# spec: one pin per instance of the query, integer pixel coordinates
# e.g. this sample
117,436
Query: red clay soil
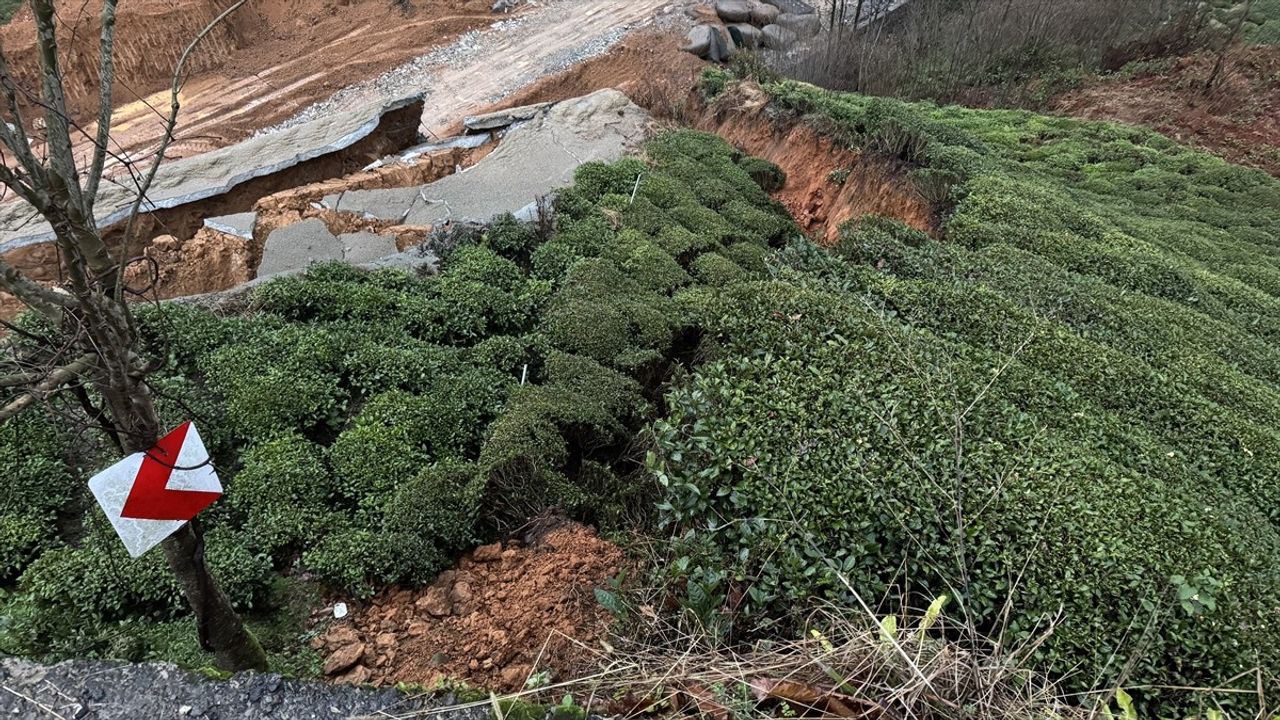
1239,121
815,199
657,75
647,66
268,61
503,613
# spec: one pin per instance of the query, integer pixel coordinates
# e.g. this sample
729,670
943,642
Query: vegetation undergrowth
1065,413
368,426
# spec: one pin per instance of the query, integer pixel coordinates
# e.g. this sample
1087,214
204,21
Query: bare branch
106,82
52,383
12,131
27,378
35,295
179,78
57,128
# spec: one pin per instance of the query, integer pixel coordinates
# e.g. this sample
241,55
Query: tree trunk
220,629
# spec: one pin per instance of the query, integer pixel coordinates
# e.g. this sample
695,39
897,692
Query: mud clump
504,612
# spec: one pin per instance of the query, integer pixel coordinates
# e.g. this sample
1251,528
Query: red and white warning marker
148,496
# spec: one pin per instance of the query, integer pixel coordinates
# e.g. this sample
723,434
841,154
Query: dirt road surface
283,62
483,67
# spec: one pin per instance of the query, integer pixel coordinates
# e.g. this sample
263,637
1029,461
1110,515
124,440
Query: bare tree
93,350
1220,61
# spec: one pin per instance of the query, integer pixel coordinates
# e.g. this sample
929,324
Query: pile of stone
752,24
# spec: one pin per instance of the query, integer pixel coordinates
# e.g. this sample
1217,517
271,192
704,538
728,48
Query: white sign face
148,496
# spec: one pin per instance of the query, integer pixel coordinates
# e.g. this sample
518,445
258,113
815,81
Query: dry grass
845,666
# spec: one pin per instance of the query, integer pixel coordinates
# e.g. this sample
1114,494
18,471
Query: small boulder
802,25
722,47
745,36
435,603
794,7
461,592
734,11
699,40
505,6
764,14
487,553
343,658
358,675
776,37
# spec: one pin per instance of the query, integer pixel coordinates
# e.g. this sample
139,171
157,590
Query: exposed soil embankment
1239,121
826,184
504,613
266,62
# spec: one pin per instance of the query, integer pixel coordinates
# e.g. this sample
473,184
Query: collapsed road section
351,187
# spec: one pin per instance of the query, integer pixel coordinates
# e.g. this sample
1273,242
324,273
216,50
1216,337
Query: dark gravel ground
96,690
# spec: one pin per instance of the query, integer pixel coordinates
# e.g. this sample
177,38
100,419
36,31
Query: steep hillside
1064,413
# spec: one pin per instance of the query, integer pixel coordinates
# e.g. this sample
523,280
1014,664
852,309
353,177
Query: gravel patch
102,690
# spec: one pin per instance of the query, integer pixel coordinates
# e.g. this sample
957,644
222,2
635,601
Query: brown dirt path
268,61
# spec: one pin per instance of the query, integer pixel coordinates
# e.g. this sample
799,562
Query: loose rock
722,48
487,553
699,40
764,14
794,7
343,658
776,37
436,603
745,36
733,10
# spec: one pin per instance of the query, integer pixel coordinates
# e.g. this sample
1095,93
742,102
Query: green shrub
713,81
284,493
440,504
605,315
358,561
716,269
1001,415
767,175
510,238
21,540
594,180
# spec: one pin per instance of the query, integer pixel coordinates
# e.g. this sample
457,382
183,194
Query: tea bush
360,420
1066,404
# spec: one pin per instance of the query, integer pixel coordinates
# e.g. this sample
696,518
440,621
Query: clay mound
504,613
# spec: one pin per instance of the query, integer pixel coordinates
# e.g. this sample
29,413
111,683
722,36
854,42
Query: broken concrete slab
361,247
503,118
461,142
386,204
214,173
532,160
296,246
240,224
